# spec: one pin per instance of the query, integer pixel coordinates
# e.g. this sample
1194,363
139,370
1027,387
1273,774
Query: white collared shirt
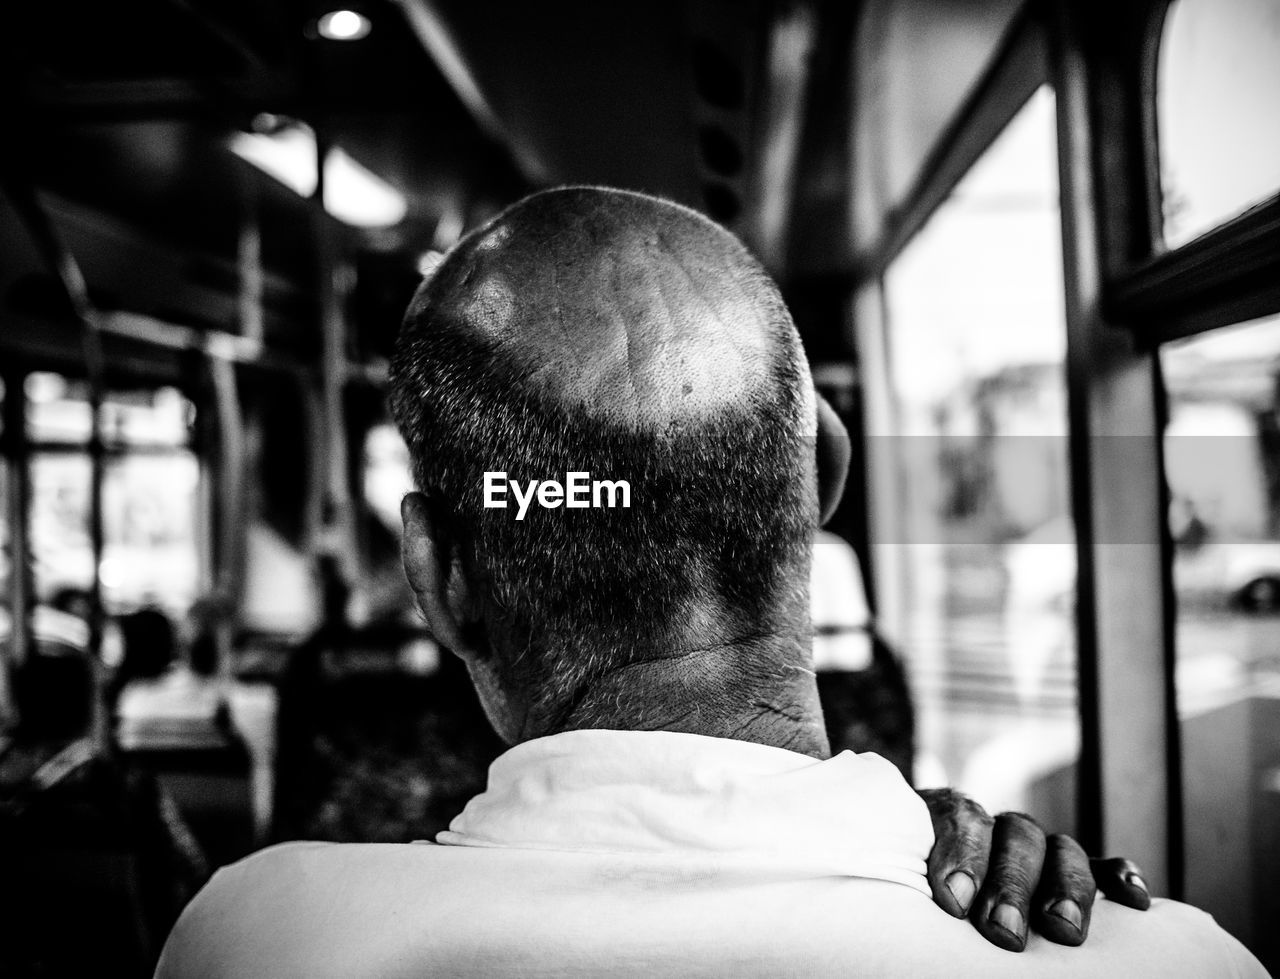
607,853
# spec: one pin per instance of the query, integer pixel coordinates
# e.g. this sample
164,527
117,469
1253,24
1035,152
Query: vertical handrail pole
13,443
332,274
1130,785
58,257
63,264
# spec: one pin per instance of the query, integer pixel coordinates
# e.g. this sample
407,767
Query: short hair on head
723,500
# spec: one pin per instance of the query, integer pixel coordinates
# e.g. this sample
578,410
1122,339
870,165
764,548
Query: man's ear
833,455
434,570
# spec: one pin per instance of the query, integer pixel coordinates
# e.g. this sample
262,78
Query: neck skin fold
759,689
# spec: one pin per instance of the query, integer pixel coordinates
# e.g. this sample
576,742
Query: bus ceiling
146,128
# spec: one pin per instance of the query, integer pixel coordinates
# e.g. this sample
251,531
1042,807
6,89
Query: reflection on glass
976,338
1222,463
1219,137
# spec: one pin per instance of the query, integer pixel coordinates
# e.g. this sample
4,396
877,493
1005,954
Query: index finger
961,851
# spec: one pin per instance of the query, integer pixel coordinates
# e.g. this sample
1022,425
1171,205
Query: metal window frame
1019,66
1130,774
13,451
1225,276
1228,275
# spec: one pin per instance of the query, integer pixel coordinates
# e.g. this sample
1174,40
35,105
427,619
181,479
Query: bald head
599,331
635,310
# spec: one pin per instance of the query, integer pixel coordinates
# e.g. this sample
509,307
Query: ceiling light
352,193
343,25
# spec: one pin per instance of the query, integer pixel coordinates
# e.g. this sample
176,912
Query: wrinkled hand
1002,872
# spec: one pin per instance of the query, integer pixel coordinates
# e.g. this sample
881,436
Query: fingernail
962,888
1009,918
1069,912
1139,883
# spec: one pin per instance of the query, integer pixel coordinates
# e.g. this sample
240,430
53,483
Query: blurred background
1031,248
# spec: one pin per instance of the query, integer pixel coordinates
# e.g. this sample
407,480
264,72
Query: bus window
1216,111
976,339
60,542
1222,463
905,104
149,495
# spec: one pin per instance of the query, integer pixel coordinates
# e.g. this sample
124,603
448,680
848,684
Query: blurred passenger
150,645
861,682
301,710
73,601
97,862
162,691
670,806
158,697
179,718
71,609
383,756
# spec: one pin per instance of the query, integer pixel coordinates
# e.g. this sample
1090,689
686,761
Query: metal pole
1130,787
60,260
249,266
13,448
332,275
231,526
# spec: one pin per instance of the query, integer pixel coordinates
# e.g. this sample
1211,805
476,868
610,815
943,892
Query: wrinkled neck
760,689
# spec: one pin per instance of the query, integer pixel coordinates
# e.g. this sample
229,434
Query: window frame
13,452
1127,293
1219,278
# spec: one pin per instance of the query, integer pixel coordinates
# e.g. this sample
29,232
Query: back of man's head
607,332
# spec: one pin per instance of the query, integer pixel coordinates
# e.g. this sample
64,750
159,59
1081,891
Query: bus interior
1032,248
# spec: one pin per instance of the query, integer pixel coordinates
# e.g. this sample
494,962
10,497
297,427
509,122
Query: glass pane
61,548
58,413
1216,96
976,337
914,66
150,512
141,419
1222,463
150,508
57,409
